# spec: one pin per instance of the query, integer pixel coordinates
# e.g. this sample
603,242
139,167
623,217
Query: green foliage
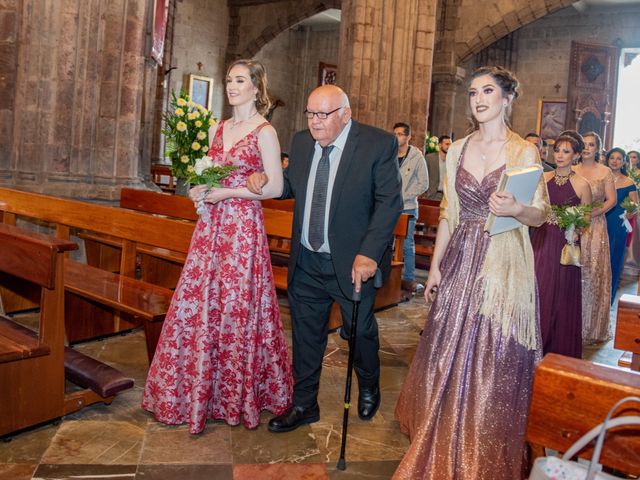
205,172
577,216
629,206
186,130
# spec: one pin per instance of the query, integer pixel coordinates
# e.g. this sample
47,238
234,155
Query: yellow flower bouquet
186,130
430,144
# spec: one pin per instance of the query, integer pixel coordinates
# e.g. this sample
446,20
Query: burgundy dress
465,399
222,353
559,286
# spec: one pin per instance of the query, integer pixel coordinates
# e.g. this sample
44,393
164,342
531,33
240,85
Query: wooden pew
425,234
33,364
162,176
570,397
627,336
105,302
278,221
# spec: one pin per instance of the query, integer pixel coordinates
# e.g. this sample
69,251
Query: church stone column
386,54
80,76
445,86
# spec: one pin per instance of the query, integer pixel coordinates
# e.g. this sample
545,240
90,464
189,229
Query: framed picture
551,118
327,74
201,90
160,12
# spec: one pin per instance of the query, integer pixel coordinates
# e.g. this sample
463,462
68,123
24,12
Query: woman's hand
196,194
504,204
433,282
216,195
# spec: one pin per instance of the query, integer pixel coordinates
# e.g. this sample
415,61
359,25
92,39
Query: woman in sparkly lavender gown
464,402
559,285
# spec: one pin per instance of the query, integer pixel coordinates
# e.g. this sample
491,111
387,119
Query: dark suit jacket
365,204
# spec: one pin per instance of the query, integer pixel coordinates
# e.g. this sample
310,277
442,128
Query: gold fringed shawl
509,293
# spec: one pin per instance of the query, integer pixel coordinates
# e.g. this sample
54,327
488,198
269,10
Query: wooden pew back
627,336
32,383
571,396
147,201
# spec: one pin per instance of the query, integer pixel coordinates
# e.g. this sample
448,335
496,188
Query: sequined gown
617,237
222,353
559,286
465,399
596,272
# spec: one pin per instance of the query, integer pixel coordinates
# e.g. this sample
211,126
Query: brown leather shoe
293,418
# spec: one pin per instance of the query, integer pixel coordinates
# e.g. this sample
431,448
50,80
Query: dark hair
259,79
283,155
598,143
532,134
571,137
625,158
633,151
405,126
442,138
507,82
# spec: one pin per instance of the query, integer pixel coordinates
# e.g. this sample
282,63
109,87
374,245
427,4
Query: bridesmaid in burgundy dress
559,286
222,353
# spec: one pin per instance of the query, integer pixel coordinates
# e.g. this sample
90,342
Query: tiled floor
121,441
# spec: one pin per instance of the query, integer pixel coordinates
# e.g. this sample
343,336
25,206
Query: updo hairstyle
573,138
507,82
598,143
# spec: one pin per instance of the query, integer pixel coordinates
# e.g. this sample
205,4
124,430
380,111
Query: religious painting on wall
160,12
327,74
551,118
201,90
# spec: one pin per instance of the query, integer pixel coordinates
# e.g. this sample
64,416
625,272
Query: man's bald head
332,101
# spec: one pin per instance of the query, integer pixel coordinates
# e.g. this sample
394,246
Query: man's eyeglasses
320,115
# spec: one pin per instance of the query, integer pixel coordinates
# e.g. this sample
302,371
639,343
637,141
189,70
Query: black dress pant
312,291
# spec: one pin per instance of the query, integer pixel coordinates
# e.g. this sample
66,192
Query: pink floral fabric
222,353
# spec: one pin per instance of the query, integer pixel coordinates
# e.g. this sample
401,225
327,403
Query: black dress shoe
293,418
368,402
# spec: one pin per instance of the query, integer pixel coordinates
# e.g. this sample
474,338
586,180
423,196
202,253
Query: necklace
484,155
562,179
235,123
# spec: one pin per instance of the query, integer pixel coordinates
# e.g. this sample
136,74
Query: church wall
200,36
292,61
543,56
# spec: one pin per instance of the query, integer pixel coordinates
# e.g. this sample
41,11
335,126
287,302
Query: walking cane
355,298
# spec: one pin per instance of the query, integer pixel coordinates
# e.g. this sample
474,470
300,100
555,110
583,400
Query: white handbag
554,468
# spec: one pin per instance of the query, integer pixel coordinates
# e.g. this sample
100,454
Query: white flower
184,159
201,135
204,149
572,210
202,164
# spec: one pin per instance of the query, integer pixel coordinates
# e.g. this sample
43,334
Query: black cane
355,298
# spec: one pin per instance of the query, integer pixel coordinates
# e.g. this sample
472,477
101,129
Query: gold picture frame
201,90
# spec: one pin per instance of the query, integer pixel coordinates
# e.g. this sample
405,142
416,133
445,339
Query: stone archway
501,23
260,24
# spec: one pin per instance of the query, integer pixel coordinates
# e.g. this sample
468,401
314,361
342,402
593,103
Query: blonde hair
258,77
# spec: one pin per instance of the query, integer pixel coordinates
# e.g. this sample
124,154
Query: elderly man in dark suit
344,177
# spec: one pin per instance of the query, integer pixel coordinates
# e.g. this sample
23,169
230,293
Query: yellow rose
184,159
195,146
179,112
212,122
191,103
182,102
204,111
190,169
196,114
191,116
198,123
181,126
204,149
201,135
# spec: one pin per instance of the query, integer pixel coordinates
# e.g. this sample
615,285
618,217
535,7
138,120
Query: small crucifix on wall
557,86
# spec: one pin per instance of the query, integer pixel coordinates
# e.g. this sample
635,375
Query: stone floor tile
95,442
165,444
17,471
28,446
363,470
186,472
281,471
85,472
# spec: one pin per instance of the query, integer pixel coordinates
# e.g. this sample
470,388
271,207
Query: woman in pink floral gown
222,353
